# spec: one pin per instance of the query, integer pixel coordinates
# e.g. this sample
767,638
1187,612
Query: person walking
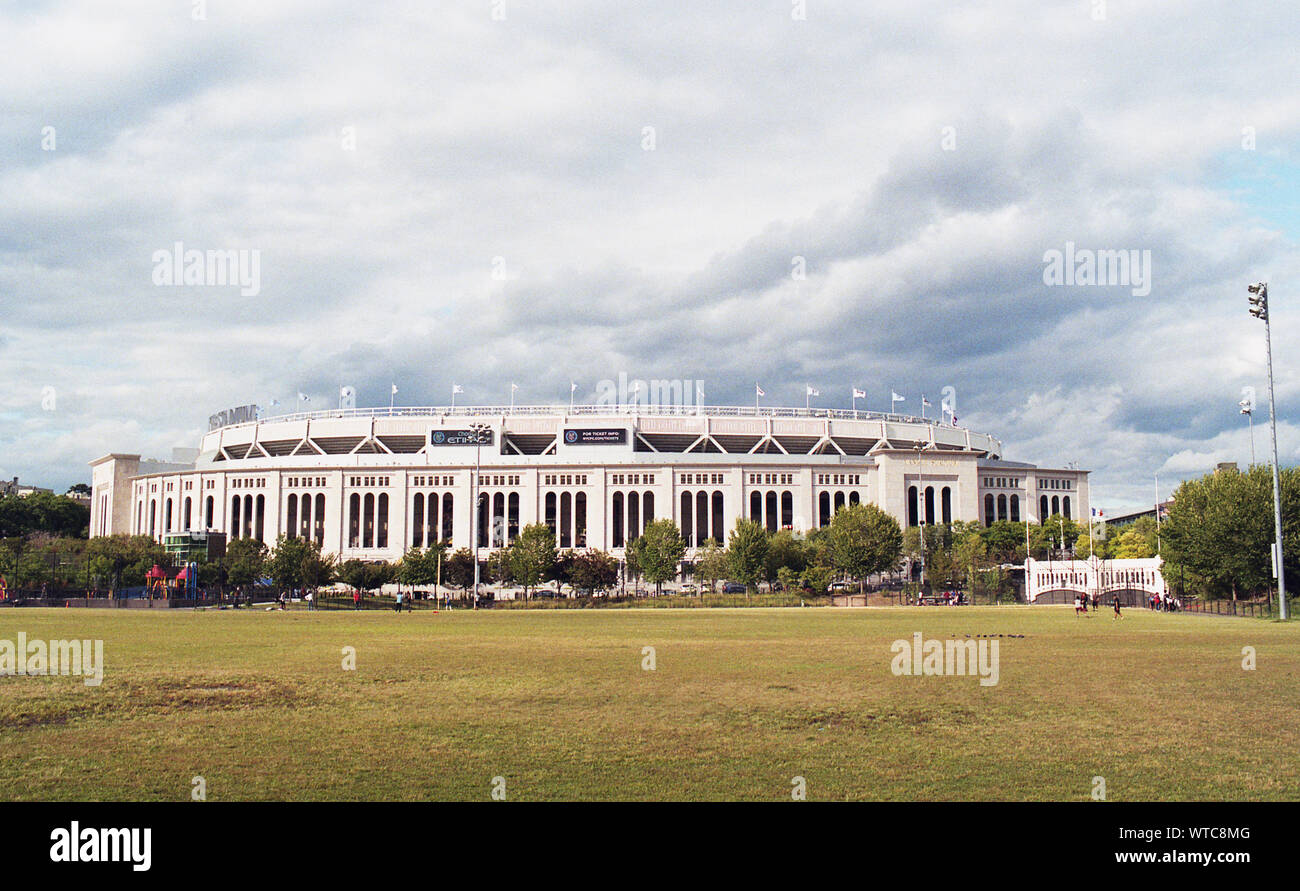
1117,615
356,599
311,601
397,604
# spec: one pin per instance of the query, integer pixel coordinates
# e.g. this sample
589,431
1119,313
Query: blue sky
640,182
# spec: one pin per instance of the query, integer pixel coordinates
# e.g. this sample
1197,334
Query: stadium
372,483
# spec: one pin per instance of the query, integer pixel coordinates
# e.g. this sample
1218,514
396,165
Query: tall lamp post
1248,409
481,432
1259,309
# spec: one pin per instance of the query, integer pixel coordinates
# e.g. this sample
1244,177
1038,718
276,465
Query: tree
658,551
458,571
784,551
78,489
286,561
245,559
711,565
863,540
593,571
532,555
747,552
353,574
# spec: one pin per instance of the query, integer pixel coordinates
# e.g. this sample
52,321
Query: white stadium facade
373,483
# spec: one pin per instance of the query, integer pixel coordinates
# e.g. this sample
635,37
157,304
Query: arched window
1015,508
499,519
320,519
354,520
248,516
839,500
756,506
207,513
1002,507
430,533
701,517
417,521
771,511
1056,505
566,520
1065,507
719,519
913,506
1042,508
552,508
185,516
687,518
787,509
945,504
484,518
305,519
854,497
929,505
368,520
448,516
153,519
633,516
261,518
648,508
167,516
291,518
616,517
580,518
988,510
512,517
823,509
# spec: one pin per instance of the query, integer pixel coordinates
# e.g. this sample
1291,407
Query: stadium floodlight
1259,309
480,433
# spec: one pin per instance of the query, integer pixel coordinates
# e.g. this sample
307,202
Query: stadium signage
595,436
459,438
239,415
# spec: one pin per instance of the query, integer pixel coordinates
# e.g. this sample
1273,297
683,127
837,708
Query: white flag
573,388
759,390
894,397
513,386
859,394
925,402
457,388
814,392
394,389
304,397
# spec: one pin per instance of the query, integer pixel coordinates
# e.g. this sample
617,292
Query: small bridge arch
1060,581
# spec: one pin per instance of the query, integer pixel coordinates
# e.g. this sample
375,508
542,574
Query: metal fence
1259,609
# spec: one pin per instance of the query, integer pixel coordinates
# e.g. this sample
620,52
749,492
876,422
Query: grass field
740,701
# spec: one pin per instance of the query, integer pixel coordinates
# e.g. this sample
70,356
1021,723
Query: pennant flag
759,390
894,397
859,394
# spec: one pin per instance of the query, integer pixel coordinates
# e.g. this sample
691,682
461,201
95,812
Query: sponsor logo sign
459,438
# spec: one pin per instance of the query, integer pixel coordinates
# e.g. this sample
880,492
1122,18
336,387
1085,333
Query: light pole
479,431
1248,409
1259,309
920,515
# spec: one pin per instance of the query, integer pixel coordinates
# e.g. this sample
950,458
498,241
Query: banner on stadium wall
595,436
458,438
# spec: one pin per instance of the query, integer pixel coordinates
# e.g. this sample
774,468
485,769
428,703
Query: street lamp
1259,309
480,433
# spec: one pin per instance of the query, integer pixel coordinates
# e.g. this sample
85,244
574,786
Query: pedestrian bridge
1059,581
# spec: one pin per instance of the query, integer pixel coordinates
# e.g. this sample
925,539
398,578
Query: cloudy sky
483,192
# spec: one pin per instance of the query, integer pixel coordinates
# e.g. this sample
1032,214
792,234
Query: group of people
1164,603
1082,601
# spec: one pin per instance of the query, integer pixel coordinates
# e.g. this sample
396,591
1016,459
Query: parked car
733,588
688,589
